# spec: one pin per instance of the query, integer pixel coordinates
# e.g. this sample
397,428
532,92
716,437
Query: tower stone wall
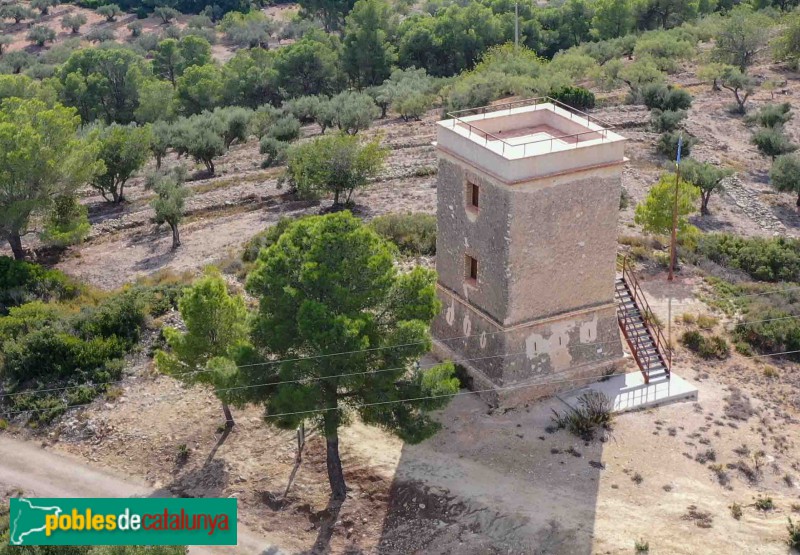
539,315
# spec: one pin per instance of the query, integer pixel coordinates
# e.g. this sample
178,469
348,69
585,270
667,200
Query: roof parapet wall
529,139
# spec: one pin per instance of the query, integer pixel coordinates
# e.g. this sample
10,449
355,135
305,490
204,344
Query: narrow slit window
472,268
474,196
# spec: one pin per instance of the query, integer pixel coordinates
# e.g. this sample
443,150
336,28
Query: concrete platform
629,392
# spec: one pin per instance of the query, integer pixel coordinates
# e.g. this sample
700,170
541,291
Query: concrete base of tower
530,360
535,388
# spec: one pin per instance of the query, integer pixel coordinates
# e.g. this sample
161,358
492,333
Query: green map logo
28,519
111,521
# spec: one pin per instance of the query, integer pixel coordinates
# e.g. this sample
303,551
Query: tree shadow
710,222
157,261
227,431
760,176
787,215
207,480
484,485
326,520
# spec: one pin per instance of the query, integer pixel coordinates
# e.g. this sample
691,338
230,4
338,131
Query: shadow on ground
493,482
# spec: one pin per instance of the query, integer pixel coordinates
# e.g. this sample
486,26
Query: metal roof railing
458,115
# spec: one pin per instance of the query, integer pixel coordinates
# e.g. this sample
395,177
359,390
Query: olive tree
73,22
41,158
109,11
740,84
741,36
772,142
124,149
43,5
40,34
170,200
337,164
706,177
353,111
166,14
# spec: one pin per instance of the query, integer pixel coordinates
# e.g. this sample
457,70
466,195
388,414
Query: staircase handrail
634,342
637,293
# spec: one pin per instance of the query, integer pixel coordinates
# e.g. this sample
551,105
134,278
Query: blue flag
680,145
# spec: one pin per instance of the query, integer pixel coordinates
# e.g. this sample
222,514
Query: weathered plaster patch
589,330
450,317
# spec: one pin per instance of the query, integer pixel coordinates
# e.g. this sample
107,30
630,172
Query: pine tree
349,328
368,56
216,325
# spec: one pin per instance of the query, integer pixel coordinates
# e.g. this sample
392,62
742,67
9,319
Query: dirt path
42,473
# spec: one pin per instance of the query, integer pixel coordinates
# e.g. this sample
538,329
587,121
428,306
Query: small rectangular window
471,268
475,192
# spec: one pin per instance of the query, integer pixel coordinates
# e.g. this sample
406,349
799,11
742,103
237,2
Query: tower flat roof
505,139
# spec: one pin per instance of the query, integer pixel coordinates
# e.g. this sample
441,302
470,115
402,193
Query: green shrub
668,144
121,316
275,150
771,115
46,354
28,318
713,347
706,322
794,534
595,410
764,503
576,97
425,171
81,395
743,348
624,199
22,281
48,345
157,299
665,97
767,259
43,409
68,224
688,318
413,233
692,340
779,333
668,120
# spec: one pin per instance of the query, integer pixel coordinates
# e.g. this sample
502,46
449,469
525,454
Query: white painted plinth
629,392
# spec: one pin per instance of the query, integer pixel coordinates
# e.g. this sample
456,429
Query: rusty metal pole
673,249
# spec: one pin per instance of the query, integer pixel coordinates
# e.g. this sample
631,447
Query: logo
134,521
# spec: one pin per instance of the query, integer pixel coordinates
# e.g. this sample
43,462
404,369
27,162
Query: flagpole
673,244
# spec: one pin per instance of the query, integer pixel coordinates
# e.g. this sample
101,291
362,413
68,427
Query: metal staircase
645,340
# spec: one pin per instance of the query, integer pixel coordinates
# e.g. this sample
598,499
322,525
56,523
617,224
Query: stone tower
528,197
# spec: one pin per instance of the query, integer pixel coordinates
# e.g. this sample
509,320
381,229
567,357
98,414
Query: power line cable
181,374
508,388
